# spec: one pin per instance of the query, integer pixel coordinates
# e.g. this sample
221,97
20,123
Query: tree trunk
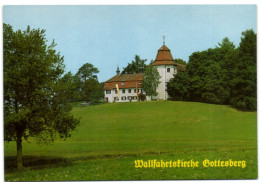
19,153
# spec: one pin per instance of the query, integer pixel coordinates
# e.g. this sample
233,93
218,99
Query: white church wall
124,95
165,77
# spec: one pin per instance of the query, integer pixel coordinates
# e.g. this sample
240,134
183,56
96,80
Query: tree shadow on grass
36,162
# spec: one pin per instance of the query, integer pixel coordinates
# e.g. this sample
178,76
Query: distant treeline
223,75
84,85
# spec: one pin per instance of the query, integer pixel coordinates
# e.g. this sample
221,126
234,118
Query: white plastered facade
124,96
166,73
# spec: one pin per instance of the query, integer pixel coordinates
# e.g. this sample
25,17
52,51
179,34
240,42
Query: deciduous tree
180,61
179,87
151,81
136,66
33,103
93,91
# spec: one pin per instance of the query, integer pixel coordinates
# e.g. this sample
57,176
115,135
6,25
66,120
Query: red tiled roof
164,54
112,85
164,57
126,77
163,63
129,80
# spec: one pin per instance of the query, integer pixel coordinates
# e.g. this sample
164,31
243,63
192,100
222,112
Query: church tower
167,68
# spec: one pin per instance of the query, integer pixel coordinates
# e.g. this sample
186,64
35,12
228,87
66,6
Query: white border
110,2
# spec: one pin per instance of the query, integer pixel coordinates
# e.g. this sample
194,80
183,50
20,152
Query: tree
33,102
179,87
224,75
227,59
72,87
207,77
86,71
93,91
86,76
243,84
136,66
180,61
151,81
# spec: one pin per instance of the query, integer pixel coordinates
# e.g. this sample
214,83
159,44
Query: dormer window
122,84
140,83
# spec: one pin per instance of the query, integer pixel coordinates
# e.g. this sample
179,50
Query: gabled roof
126,77
164,57
129,80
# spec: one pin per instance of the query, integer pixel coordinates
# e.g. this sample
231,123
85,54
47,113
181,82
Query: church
128,87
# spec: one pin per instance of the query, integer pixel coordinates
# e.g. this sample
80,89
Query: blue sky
107,36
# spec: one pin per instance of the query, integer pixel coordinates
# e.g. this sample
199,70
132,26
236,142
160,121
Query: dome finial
163,40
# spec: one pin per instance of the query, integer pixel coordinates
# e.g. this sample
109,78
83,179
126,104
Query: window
129,90
129,97
116,91
122,84
141,90
168,69
138,90
140,83
108,91
116,98
123,98
123,91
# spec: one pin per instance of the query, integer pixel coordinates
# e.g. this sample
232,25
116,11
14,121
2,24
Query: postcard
129,92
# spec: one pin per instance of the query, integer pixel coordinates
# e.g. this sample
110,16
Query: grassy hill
112,136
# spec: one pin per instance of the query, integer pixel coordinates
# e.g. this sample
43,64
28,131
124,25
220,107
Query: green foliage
86,71
92,91
83,86
224,75
136,66
142,96
34,103
87,86
244,83
203,81
151,80
178,88
206,76
180,61
71,86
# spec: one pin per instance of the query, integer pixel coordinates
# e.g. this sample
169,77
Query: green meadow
111,137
